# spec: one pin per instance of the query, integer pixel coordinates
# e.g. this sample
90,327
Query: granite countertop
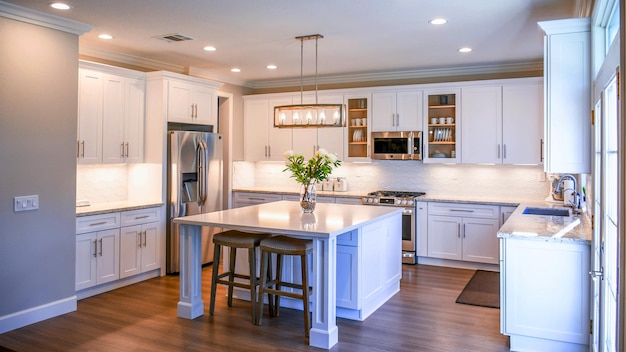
565,229
111,207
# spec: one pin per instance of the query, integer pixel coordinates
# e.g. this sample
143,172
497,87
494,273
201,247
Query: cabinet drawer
92,223
256,198
141,216
464,210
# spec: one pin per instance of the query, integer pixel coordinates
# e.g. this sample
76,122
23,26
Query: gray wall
38,100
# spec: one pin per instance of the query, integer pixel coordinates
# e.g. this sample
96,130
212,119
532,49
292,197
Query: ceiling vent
176,37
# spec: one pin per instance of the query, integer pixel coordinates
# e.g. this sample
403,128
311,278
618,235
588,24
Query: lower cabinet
115,246
464,232
97,258
544,294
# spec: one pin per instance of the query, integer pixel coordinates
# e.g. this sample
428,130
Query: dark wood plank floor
142,317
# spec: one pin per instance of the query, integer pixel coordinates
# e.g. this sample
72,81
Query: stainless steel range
407,201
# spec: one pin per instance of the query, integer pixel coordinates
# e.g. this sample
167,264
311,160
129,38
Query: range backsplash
499,181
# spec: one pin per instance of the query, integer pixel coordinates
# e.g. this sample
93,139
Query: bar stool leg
253,282
216,264
305,293
264,277
231,274
279,277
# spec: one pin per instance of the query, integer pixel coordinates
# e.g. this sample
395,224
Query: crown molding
129,59
43,19
399,75
212,75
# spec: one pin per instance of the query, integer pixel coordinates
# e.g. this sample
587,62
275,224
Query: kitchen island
325,227
544,281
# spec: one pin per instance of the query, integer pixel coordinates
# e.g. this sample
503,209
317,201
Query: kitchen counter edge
113,207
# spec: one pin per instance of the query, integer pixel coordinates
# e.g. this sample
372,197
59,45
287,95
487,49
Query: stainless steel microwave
397,145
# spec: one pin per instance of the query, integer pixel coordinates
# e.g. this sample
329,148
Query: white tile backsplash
498,181
102,183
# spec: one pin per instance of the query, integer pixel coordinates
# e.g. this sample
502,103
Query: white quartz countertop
572,229
286,217
111,207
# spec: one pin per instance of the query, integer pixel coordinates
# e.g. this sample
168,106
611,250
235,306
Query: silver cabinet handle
269,151
95,248
122,149
145,238
398,119
78,149
127,149
139,234
458,230
464,230
498,151
192,111
541,150
83,147
393,119
97,223
141,217
504,151
462,210
100,247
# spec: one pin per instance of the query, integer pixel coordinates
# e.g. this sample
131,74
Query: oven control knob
403,202
370,200
409,202
364,200
375,200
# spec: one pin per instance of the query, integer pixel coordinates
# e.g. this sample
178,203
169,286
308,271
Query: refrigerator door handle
201,155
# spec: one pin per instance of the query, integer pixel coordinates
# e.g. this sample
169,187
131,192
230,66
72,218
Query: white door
605,208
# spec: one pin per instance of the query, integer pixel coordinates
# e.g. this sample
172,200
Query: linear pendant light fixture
309,115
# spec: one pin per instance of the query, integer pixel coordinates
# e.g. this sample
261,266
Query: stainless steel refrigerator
194,186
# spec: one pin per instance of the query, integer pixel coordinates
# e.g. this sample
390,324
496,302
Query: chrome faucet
576,203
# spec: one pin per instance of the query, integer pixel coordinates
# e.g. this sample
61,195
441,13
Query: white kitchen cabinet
464,232
139,241
421,229
397,111
481,109
123,119
89,142
97,258
544,290
567,108
263,141
358,107
308,140
242,199
192,102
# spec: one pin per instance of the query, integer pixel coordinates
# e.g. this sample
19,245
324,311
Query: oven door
408,237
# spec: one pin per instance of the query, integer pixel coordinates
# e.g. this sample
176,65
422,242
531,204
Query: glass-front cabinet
442,123
357,122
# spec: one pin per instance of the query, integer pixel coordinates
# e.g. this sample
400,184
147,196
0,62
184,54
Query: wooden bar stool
236,239
283,245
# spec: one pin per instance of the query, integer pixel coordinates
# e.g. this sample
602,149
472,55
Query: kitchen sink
547,211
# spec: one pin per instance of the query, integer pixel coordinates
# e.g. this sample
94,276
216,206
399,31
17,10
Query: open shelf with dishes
442,122
357,122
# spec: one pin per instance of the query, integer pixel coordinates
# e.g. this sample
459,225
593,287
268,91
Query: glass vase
308,197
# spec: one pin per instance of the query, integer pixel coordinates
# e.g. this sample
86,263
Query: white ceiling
367,38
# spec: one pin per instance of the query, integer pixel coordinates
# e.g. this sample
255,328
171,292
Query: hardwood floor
142,317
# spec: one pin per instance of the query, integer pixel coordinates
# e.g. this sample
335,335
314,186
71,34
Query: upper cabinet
357,122
185,99
111,114
397,111
503,124
567,72
442,121
263,141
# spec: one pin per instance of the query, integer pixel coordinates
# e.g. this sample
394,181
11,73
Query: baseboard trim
36,314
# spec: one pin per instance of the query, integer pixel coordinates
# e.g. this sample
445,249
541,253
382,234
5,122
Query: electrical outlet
25,203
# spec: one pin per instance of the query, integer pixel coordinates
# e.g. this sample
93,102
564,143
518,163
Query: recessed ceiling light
465,50
235,69
271,67
209,48
438,21
60,6
105,36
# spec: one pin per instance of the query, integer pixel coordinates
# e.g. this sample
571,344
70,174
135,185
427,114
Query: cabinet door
409,110
205,105
444,237
150,250
279,139
134,119
179,102
113,142
384,112
108,256
347,277
89,148
522,123
442,140
86,252
505,213
255,129
480,241
305,141
331,138
131,242
481,109
421,229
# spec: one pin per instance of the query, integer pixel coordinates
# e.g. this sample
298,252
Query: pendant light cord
301,67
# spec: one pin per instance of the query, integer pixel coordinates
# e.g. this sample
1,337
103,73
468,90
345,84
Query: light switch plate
25,203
